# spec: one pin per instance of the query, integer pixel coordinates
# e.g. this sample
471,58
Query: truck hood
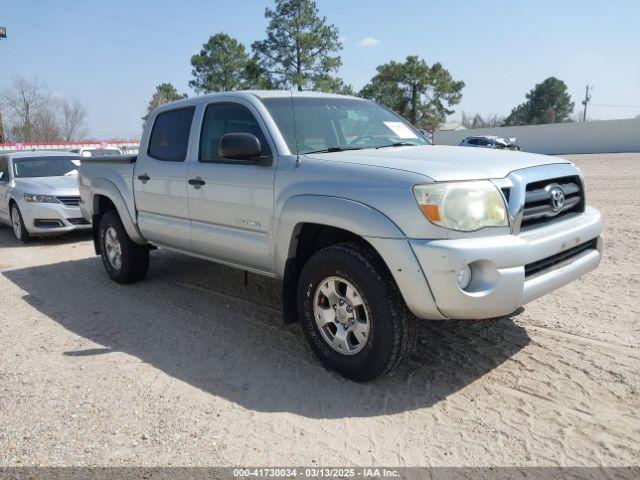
67,185
444,163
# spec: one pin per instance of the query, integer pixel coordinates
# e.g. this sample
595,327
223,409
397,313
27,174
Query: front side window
325,123
223,118
4,169
169,139
29,167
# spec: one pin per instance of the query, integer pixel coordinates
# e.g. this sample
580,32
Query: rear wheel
19,230
124,260
352,313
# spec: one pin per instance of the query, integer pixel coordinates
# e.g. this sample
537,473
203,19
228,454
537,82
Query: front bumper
499,284
51,218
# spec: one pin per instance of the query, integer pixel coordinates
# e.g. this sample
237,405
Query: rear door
231,202
160,183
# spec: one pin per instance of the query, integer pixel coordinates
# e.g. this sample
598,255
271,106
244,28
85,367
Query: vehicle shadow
198,322
8,240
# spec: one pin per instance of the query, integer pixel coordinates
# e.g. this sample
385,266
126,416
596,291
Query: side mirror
243,147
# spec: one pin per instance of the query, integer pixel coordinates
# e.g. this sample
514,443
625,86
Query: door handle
196,182
144,178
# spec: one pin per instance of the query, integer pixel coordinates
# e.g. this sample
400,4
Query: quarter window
170,135
223,118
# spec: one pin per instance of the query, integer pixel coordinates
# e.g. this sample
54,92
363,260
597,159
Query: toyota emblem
557,198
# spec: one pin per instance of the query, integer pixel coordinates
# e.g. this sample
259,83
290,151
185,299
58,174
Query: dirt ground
191,368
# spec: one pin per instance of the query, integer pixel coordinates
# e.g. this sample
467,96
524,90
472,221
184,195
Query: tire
114,244
391,334
19,229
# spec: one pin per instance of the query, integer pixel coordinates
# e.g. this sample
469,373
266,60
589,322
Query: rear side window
222,118
170,135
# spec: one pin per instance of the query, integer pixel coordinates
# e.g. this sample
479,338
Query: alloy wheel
341,315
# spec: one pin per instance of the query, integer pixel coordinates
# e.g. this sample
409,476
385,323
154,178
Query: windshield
334,124
44,167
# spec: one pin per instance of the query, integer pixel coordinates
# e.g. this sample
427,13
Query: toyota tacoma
370,228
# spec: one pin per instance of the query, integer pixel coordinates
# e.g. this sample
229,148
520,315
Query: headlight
32,197
463,206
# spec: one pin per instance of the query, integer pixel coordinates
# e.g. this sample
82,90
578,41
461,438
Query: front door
160,181
231,202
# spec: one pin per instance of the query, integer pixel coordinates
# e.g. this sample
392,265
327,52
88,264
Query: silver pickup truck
369,226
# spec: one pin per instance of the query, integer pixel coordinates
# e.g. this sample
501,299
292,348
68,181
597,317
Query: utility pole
3,34
585,102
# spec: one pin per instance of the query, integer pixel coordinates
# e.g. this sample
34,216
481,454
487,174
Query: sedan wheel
18,225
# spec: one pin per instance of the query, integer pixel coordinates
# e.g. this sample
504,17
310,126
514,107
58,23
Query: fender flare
348,215
106,188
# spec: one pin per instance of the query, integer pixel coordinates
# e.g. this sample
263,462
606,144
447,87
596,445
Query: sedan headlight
463,206
32,197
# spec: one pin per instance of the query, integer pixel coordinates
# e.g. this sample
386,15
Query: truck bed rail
110,159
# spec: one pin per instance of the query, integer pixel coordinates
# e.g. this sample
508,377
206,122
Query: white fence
126,146
603,136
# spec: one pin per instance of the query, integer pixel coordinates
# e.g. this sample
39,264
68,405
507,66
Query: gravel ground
191,368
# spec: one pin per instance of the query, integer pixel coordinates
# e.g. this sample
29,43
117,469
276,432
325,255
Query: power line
119,19
107,39
614,106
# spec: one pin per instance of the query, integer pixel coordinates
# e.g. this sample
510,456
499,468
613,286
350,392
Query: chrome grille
542,204
69,201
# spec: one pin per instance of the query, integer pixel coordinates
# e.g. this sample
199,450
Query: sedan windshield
326,124
44,167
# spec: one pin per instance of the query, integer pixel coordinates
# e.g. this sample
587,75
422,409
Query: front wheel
19,230
124,260
352,313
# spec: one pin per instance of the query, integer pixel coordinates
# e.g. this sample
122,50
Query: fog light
464,277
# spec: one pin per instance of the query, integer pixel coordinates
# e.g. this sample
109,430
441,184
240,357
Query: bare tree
32,114
46,124
2,137
478,121
73,119
21,101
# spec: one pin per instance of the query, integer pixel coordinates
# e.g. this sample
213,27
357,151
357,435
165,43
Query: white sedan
39,193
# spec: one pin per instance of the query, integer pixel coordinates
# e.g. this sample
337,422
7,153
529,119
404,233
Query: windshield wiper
398,144
334,149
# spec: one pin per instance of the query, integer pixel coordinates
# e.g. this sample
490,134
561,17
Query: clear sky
111,54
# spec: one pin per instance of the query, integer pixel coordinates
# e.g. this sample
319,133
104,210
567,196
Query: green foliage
329,84
255,76
417,91
220,66
548,102
301,49
165,93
